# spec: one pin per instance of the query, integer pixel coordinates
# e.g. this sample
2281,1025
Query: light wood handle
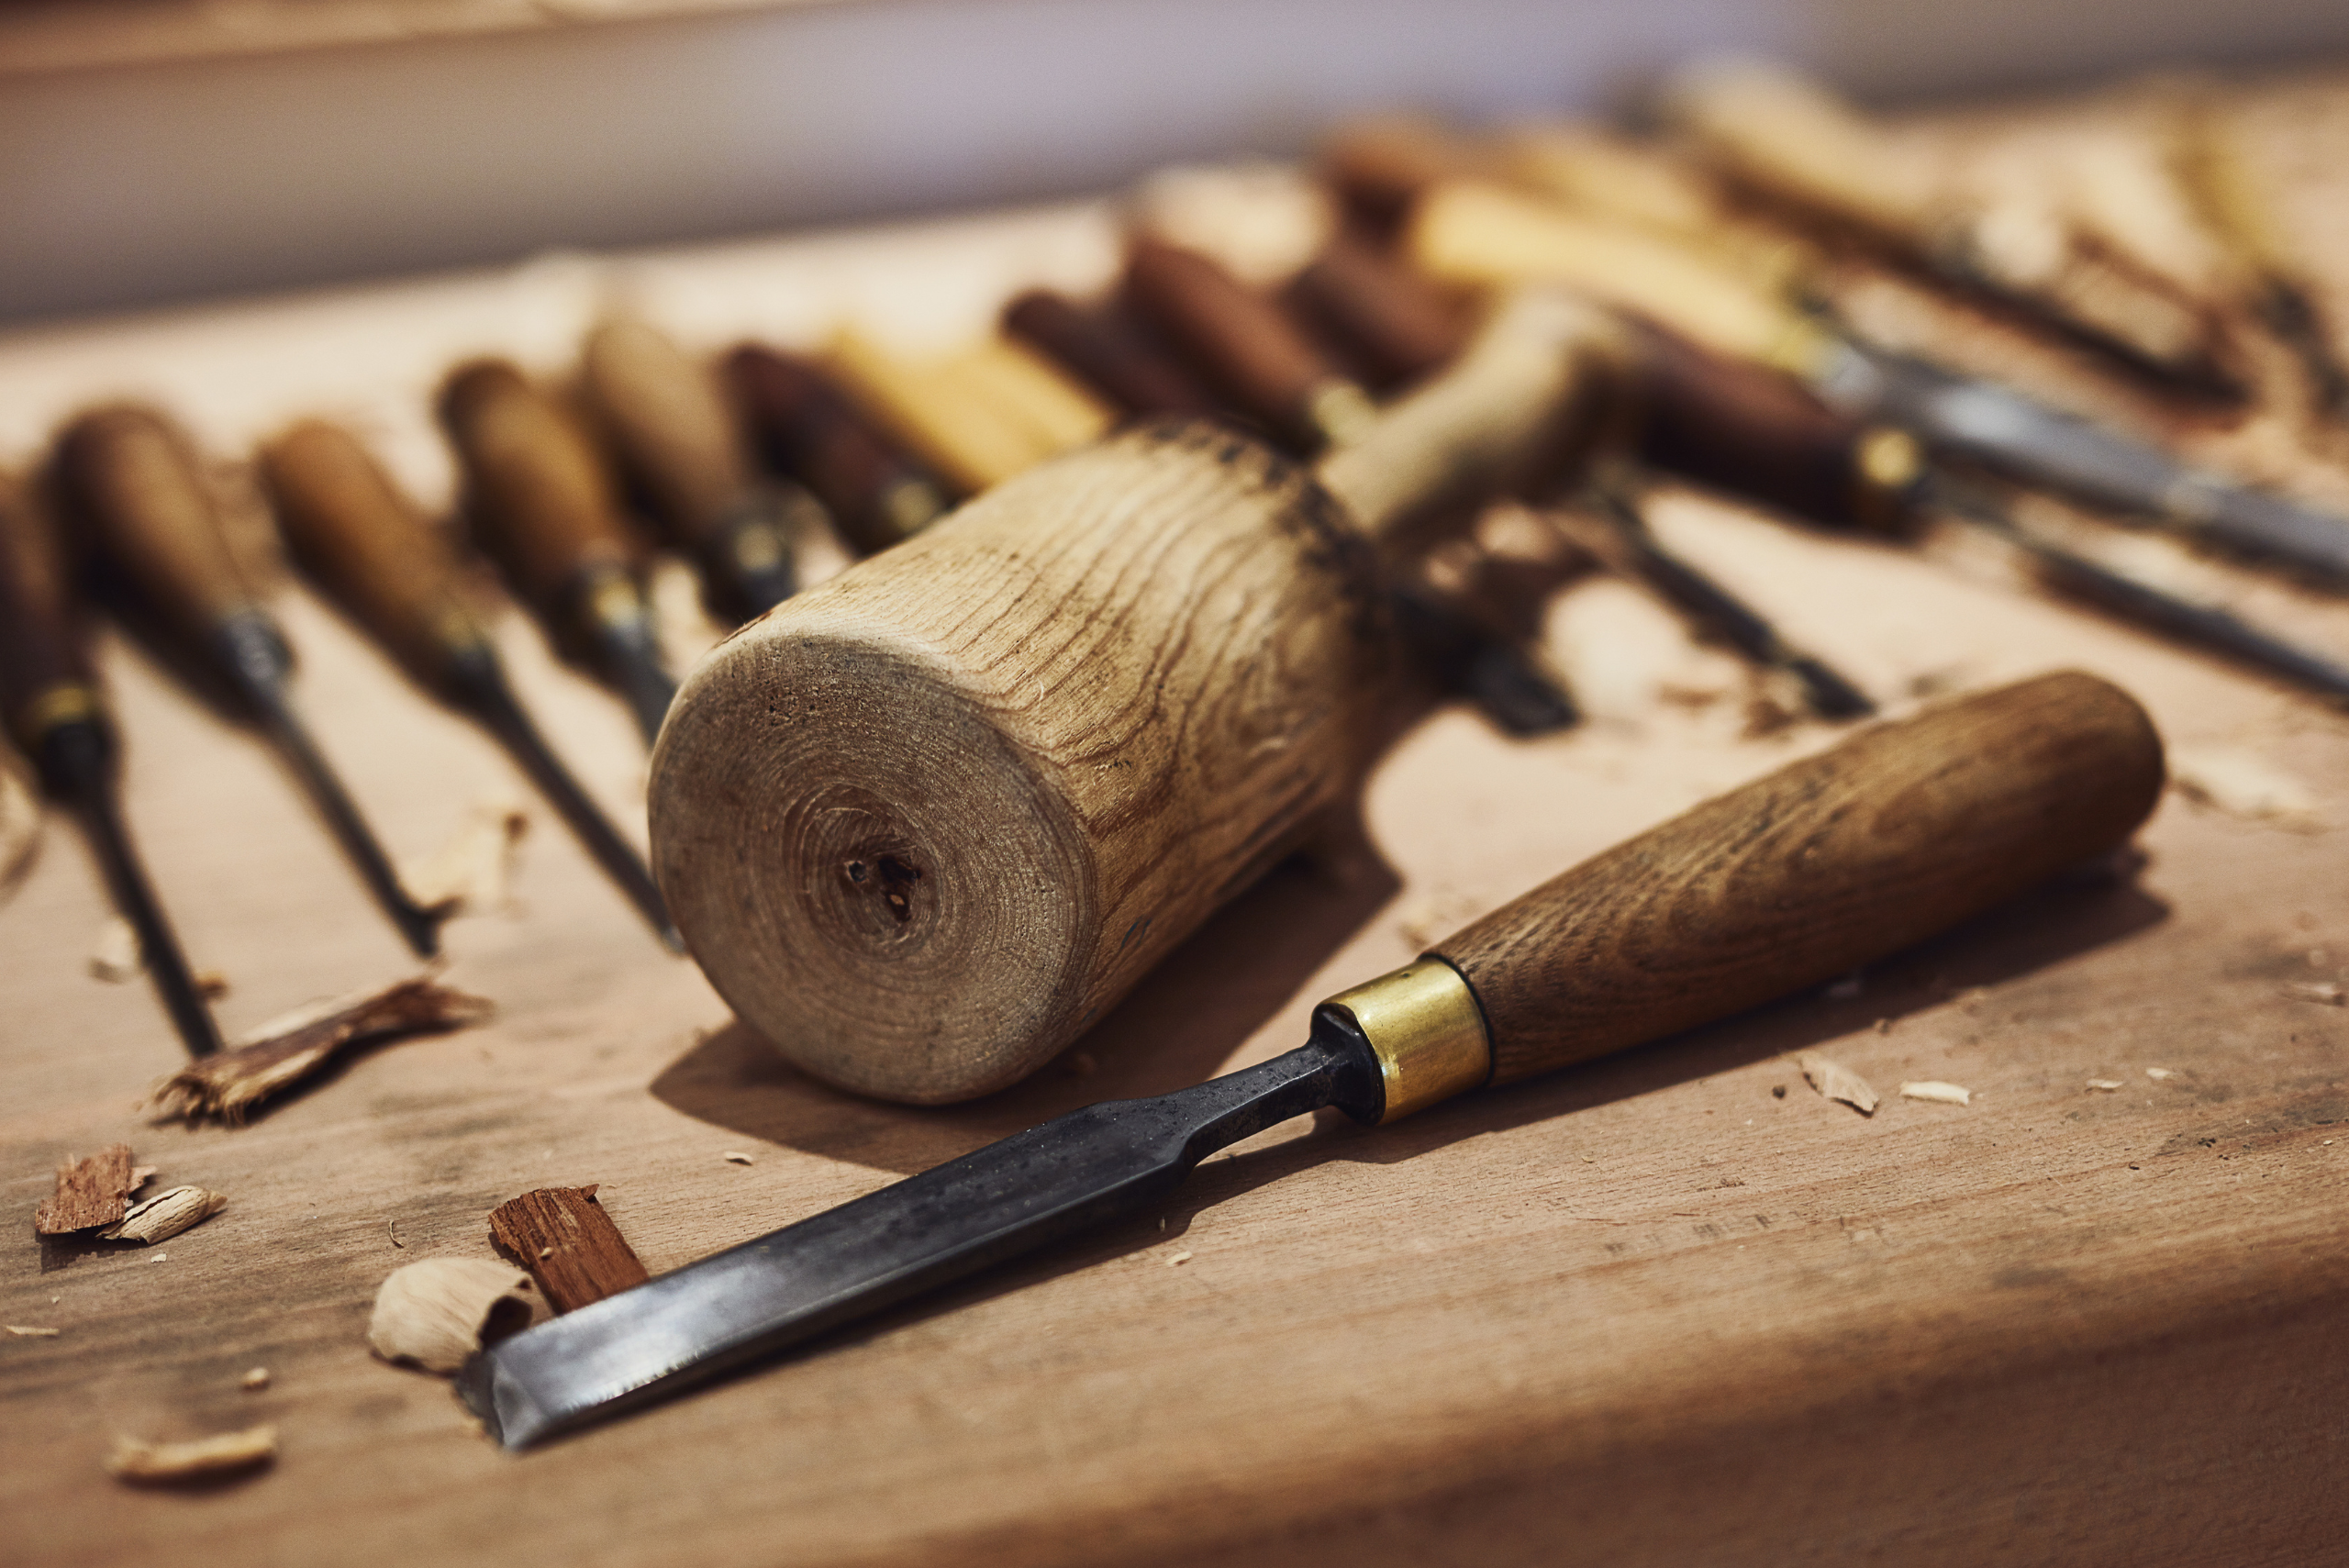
1789,136
131,477
877,495
1839,860
1514,410
372,552
538,500
1238,340
674,433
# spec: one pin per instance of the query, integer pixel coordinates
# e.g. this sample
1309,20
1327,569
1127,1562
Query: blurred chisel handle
674,434
1900,832
132,478
362,540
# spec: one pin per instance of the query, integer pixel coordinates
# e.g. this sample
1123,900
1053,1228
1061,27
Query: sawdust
114,956
1837,1081
473,873
164,1215
162,1464
2245,786
435,1312
279,1056
1936,1090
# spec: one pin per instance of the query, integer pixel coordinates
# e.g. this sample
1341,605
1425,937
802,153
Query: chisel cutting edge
1901,831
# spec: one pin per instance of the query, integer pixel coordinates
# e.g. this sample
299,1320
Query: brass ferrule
64,702
1340,412
1885,469
1427,1030
610,598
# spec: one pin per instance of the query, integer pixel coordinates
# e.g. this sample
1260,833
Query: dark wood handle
131,478
877,495
1397,325
1841,858
537,499
1106,351
41,651
1238,340
372,552
1755,433
674,433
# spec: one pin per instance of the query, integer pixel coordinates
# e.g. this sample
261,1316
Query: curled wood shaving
1837,1081
280,1055
2244,785
28,1332
472,873
735,1157
164,1215
1934,1089
2105,1086
115,957
437,1312
254,1381
91,1192
159,1463
2158,1073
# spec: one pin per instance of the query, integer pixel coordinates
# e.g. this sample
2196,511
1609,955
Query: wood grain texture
924,823
675,435
369,548
1834,862
568,1243
537,496
131,479
91,1192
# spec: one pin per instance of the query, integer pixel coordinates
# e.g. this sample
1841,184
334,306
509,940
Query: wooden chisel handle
1243,343
1836,860
540,502
131,477
674,431
1400,325
877,496
1108,353
45,673
362,540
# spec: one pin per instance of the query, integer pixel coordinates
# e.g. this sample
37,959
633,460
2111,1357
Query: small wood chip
164,1215
2106,1085
2158,1073
735,1157
26,1331
2241,784
254,1381
1178,1259
115,957
569,1244
437,1312
2322,993
90,1193
225,1087
1934,1089
160,1463
1837,1081
473,872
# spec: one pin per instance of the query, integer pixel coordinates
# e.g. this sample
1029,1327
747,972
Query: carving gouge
541,504
357,537
680,445
131,478
877,494
55,711
1471,233
1900,832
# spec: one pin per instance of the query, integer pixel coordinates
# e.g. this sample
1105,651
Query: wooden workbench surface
1671,1307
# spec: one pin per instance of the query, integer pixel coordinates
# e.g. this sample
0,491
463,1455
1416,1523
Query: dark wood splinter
569,1244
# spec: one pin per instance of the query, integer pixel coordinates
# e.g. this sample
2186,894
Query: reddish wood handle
1899,833
131,477
1108,353
359,539
675,435
877,496
1399,325
1240,340
538,500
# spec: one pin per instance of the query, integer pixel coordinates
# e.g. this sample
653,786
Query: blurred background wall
158,150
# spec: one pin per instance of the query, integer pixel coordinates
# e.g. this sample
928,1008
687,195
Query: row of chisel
1717,379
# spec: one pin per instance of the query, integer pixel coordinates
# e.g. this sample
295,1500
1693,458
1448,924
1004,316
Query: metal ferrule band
1425,1027
64,702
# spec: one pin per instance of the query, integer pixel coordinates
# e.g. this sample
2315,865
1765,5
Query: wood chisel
877,494
1839,860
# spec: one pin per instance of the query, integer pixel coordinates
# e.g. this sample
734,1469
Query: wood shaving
1178,1259
2158,1073
569,1244
19,829
1837,1081
90,1193
26,1331
225,1087
2244,785
2105,1086
164,1215
735,1157
211,984
115,957
160,1463
254,1381
2320,992
473,871
435,1313
1934,1089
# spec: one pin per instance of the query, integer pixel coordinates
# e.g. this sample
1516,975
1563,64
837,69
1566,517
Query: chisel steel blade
2039,445
1069,1174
